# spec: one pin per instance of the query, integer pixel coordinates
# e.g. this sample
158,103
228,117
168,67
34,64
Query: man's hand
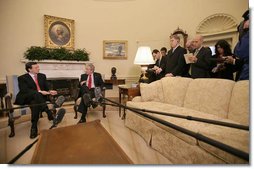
53,92
169,75
193,59
81,83
155,67
44,92
230,60
158,71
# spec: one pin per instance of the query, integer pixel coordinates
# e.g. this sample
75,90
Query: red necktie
89,82
37,83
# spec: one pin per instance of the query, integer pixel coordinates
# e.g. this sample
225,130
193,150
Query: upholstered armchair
16,111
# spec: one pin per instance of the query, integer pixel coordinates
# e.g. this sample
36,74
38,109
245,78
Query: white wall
148,22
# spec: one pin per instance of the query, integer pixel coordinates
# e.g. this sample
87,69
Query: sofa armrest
137,99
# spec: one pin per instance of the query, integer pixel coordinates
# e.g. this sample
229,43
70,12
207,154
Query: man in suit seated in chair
88,82
33,89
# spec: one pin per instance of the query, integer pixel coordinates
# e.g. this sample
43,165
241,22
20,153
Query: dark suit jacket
202,68
161,64
226,73
27,87
175,62
98,82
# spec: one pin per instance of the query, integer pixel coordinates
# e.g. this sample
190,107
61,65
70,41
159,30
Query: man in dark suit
33,89
163,51
200,66
160,64
175,62
88,82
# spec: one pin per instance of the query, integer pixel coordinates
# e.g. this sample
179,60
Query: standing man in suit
200,66
88,82
33,89
175,62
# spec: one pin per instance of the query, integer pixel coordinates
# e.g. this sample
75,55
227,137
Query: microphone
59,101
59,117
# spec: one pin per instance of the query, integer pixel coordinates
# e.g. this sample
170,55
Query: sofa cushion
152,91
178,151
137,99
239,108
172,109
142,126
235,138
209,96
191,125
174,89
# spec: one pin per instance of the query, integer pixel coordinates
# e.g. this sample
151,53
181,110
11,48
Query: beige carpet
130,142
87,143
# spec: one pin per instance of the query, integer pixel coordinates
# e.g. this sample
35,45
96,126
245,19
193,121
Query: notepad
187,58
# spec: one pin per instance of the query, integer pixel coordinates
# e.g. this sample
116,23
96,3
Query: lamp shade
144,56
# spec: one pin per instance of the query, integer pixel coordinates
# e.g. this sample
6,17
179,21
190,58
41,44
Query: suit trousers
36,98
82,108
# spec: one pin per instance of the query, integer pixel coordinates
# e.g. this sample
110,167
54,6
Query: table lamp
144,58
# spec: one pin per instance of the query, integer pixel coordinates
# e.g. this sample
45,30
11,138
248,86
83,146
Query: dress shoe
33,133
94,104
82,121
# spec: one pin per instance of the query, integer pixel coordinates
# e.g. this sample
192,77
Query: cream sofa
216,99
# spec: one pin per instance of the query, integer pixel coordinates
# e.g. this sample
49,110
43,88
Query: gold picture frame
115,49
59,32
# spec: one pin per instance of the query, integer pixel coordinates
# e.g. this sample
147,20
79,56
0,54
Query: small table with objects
115,81
129,91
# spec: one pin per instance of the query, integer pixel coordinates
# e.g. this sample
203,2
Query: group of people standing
202,64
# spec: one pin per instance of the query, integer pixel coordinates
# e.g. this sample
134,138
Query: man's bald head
198,41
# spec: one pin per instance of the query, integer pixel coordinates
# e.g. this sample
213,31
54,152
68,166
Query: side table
127,90
115,81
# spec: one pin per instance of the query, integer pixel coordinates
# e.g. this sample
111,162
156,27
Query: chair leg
103,111
75,111
11,119
11,124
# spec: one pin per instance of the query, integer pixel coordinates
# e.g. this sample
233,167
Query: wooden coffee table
85,143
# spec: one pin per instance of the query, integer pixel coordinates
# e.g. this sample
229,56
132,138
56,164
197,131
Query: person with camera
241,51
88,83
221,69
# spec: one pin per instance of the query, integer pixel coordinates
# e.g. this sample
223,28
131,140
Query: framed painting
59,32
115,49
